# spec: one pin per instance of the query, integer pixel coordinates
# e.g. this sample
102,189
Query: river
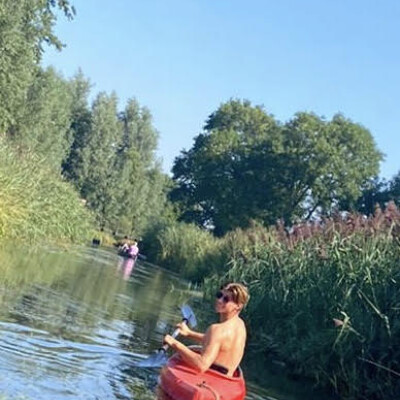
73,323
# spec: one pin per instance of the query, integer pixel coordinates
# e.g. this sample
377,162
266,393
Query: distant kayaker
223,343
133,250
124,245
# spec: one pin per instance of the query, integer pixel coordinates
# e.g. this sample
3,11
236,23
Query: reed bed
189,251
325,300
36,204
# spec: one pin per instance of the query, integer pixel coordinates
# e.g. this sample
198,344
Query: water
73,324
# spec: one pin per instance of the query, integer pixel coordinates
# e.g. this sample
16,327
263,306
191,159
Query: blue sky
183,58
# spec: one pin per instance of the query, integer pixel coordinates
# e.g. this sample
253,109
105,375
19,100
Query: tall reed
189,251
36,204
325,300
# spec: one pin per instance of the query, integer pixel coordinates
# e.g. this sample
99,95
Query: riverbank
324,302
324,297
36,204
278,383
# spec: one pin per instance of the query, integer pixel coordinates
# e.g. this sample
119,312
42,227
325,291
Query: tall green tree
43,125
246,165
331,161
142,185
139,132
98,172
377,192
25,25
394,189
210,176
81,118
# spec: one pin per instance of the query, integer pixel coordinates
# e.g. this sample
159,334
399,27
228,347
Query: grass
36,204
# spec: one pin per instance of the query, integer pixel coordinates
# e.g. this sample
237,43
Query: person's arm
209,354
197,336
185,331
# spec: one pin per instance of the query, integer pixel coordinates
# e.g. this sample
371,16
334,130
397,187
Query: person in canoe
133,250
124,245
223,343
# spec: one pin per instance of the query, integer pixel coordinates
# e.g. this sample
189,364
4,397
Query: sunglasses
225,298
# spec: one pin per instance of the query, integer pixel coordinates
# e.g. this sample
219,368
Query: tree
81,118
378,192
375,192
139,132
211,186
394,189
43,125
24,26
331,161
141,183
98,170
246,165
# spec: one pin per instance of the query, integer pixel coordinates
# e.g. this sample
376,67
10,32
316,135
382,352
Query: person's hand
184,330
168,340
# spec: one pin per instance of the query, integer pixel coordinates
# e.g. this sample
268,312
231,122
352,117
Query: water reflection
72,325
125,267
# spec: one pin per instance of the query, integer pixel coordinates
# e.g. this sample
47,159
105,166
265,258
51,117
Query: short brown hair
240,294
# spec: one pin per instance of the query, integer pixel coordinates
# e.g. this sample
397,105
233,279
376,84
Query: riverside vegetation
325,294
325,297
325,300
35,204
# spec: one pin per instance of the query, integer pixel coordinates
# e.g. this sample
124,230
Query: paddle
159,358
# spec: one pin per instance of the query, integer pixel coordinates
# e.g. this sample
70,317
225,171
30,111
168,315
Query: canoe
125,254
178,381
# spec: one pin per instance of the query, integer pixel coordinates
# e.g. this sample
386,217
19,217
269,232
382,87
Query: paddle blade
188,314
156,360
160,358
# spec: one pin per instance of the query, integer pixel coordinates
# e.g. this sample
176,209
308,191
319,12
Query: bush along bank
36,204
184,249
325,301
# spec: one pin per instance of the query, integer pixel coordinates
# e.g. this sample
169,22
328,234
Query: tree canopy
25,25
247,165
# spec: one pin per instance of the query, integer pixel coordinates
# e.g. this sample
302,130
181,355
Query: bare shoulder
215,329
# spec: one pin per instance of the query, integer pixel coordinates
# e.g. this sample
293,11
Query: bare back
230,336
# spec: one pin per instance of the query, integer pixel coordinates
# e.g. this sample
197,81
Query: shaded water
73,324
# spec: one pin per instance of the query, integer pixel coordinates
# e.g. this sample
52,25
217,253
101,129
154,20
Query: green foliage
139,133
394,189
81,119
44,124
35,204
325,300
112,161
187,250
376,193
248,166
24,26
98,172
141,185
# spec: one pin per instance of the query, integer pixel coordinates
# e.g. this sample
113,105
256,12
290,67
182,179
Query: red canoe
178,381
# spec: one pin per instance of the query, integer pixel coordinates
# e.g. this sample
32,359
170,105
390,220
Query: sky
183,58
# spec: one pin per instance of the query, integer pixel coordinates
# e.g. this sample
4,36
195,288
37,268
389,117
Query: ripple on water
76,326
